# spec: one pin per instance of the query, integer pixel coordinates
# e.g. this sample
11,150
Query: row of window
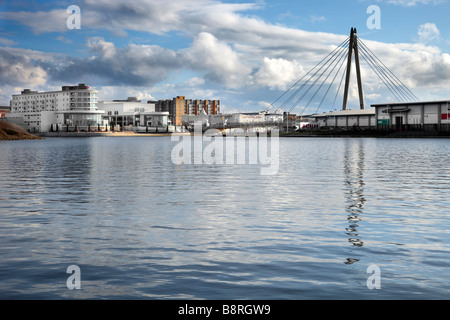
33,109
42,95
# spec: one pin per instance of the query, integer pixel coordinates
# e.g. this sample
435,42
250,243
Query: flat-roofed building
133,113
426,115
365,118
420,115
71,107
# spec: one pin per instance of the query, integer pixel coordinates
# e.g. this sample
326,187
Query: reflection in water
354,190
141,227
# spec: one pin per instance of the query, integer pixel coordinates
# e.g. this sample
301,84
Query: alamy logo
374,280
74,281
374,21
74,21
211,147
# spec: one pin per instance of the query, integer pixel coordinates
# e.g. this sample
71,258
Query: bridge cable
406,91
310,71
387,82
307,82
342,59
335,55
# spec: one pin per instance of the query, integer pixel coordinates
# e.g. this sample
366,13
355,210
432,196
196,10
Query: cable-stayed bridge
329,80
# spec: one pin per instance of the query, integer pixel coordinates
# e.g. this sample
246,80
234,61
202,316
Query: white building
274,118
73,107
134,115
237,119
421,115
427,115
347,118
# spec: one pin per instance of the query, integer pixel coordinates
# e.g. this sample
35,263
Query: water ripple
140,226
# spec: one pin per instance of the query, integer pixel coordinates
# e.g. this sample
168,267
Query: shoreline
103,134
368,134
306,134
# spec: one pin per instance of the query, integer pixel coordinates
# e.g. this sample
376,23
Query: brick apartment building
180,105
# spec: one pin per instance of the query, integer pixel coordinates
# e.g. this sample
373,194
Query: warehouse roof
356,112
410,103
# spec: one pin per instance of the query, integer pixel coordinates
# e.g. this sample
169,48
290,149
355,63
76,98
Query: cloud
411,3
63,39
317,18
420,67
277,73
109,93
7,42
194,82
40,21
227,46
20,70
220,62
428,32
133,65
152,16
229,49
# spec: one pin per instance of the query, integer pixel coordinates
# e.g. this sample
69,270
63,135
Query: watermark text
238,147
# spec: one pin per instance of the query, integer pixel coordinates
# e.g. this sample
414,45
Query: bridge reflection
354,191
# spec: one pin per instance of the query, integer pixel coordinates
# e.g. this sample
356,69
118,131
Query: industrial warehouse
425,116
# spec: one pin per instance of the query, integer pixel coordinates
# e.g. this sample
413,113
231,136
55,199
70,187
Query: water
141,227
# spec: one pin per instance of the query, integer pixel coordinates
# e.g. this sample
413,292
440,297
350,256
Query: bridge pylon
353,47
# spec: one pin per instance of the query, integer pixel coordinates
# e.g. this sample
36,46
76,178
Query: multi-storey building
71,107
179,106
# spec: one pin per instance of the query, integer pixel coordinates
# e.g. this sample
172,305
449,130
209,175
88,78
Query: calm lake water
141,227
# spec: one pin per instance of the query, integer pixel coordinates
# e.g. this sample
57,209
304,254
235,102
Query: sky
244,53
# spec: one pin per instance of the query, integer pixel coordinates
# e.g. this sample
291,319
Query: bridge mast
353,46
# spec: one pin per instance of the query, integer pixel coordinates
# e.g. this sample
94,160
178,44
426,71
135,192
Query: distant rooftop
355,112
28,91
78,87
129,99
410,103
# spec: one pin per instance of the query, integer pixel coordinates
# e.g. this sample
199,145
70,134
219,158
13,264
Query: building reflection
354,191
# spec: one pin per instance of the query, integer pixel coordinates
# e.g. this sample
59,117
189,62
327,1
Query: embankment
10,131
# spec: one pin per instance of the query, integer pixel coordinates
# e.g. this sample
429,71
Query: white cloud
106,50
63,39
40,21
7,42
218,59
428,32
152,16
194,82
317,18
411,3
18,69
108,93
278,73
